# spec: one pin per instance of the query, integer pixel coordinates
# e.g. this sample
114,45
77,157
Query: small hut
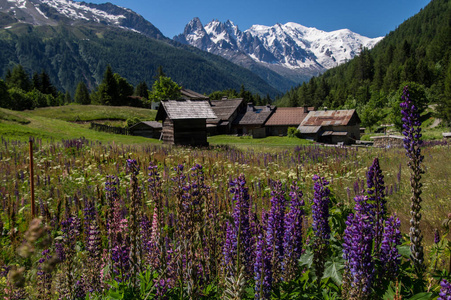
284,117
184,121
252,120
149,129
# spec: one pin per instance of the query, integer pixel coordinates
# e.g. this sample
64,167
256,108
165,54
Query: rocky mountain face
67,12
293,51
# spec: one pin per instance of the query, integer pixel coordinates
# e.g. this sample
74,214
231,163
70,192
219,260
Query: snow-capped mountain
292,50
57,12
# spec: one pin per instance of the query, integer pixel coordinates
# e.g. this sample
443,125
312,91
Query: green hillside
417,52
70,54
51,124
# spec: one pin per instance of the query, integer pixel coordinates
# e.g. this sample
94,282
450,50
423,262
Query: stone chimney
268,107
250,106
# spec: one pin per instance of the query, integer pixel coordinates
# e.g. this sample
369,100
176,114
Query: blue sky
368,18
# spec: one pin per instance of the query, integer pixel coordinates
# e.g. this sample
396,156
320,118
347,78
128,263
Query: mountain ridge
74,41
293,51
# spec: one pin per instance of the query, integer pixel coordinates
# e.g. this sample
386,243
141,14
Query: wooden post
33,209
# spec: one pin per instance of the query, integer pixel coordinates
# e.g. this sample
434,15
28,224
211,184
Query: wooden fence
109,129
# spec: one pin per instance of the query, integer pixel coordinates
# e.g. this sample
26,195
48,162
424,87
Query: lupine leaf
333,270
306,258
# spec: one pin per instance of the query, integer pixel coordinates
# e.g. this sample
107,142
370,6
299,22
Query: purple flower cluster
275,230
357,248
320,209
292,240
445,291
238,246
389,256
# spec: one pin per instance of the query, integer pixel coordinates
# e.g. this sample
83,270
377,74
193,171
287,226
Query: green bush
293,132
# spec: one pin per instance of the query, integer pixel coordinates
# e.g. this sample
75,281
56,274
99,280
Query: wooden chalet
226,111
252,120
284,117
184,121
149,129
331,126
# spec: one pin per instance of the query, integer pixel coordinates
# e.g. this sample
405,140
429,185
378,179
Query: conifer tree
82,94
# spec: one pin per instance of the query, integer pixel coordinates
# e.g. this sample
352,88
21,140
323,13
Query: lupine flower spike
412,142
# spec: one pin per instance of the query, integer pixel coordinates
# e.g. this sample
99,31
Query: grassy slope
12,126
94,112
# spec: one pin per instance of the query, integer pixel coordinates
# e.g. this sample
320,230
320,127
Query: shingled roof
224,109
330,118
185,109
287,116
153,124
189,94
255,115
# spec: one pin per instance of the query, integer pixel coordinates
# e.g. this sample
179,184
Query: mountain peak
285,48
56,12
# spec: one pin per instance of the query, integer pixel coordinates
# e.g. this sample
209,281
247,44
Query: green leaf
389,293
333,270
404,250
307,258
421,296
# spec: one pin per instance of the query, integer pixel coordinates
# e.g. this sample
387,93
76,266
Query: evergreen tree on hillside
82,94
142,90
108,90
5,100
125,90
18,78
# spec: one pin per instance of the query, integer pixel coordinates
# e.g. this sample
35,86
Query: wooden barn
184,121
252,120
226,111
331,126
149,129
284,117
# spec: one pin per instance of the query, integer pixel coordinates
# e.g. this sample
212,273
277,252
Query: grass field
94,112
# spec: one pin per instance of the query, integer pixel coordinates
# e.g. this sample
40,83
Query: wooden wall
191,132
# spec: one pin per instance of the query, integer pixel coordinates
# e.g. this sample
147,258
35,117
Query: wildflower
445,291
412,142
320,225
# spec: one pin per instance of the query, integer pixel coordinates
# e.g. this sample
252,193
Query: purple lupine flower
292,240
120,255
445,291
239,232
389,255
320,209
376,200
262,270
275,229
44,276
436,236
357,250
412,144
320,225
229,248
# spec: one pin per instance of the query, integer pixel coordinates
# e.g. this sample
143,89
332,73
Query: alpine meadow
278,162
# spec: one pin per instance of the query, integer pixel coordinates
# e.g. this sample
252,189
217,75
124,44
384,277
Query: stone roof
254,115
224,109
287,116
185,109
329,118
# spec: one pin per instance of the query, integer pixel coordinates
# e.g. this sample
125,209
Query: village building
226,111
185,121
284,117
331,126
149,129
252,120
